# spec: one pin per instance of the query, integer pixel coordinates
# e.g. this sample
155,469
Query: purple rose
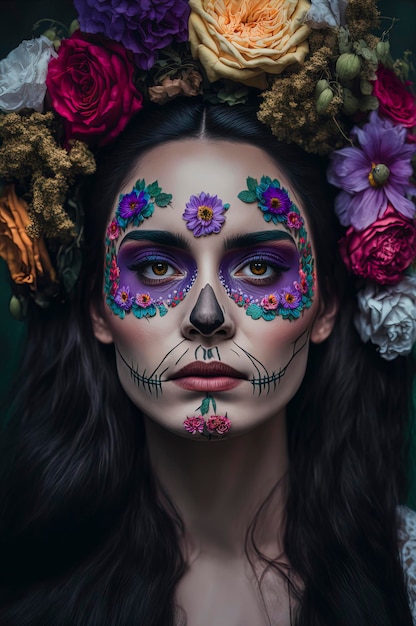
142,27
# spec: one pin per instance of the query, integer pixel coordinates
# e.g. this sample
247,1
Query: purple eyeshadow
284,258
132,260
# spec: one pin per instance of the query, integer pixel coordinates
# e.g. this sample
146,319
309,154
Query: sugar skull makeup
216,366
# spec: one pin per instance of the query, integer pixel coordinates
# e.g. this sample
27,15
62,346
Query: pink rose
396,101
382,251
91,86
218,424
194,425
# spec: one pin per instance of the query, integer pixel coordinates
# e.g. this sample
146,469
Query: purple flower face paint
204,214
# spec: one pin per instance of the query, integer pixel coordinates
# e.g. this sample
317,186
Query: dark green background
17,19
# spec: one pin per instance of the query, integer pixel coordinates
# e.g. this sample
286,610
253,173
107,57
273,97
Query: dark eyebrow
251,239
158,236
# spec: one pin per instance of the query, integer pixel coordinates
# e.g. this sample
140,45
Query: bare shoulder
407,545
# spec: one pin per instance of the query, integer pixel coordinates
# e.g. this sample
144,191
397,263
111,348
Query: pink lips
207,377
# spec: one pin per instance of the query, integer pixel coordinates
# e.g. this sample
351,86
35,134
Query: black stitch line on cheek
253,361
181,357
276,376
149,383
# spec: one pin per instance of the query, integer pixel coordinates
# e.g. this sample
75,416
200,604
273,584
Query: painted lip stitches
207,377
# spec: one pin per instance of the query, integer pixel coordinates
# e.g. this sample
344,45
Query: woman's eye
160,269
258,268
259,271
156,272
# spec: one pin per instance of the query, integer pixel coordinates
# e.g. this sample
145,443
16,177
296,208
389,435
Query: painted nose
207,316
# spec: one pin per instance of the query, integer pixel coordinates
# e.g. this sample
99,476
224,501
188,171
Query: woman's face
211,298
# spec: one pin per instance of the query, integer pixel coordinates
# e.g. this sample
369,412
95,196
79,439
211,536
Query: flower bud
323,101
368,103
382,49
366,87
380,174
50,34
350,105
348,66
56,43
18,308
74,25
321,85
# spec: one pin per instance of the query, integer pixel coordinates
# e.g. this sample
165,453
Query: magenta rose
91,86
382,251
396,101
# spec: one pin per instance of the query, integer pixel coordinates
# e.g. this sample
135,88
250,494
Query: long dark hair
84,538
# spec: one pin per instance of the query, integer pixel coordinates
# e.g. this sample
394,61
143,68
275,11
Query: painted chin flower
218,424
123,298
144,300
270,302
132,203
290,297
374,174
204,214
194,425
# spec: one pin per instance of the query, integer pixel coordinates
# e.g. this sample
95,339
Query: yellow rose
27,258
244,39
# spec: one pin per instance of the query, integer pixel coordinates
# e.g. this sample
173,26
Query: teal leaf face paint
122,285
289,293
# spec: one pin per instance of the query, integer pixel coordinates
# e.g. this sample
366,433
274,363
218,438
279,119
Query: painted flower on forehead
272,199
144,27
194,425
204,214
132,203
373,174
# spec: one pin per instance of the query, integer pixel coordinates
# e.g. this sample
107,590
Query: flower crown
326,83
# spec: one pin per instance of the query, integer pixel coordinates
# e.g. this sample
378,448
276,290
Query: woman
202,435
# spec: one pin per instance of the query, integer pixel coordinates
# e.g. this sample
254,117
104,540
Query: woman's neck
217,487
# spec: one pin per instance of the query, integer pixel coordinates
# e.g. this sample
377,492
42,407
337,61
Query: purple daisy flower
290,297
142,27
277,201
123,298
204,214
132,204
373,174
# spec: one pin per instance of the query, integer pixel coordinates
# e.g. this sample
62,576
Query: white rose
23,75
387,316
324,13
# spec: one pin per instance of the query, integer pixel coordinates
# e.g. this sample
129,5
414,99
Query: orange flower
244,39
27,258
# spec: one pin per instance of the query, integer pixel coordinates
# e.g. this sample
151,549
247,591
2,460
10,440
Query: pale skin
217,486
